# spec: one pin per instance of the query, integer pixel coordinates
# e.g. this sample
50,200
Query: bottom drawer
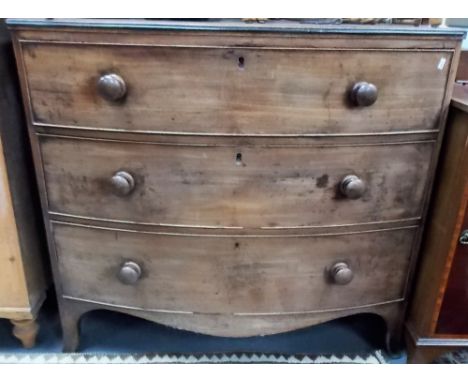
232,274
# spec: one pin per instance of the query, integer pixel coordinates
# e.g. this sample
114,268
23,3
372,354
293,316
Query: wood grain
110,36
269,187
23,280
189,100
13,291
216,324
231,274
454,307
204,90
462,73
446,219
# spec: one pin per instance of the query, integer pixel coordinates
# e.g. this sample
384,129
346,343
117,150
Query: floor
110,332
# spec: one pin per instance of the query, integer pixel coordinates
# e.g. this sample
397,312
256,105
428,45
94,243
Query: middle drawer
234,186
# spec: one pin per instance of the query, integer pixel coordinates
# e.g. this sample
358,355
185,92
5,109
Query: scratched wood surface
235,186
235,91
273,87
230,274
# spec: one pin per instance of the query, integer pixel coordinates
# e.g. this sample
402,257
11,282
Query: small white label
442,62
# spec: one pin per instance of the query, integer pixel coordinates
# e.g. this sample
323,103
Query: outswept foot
70,314
394,337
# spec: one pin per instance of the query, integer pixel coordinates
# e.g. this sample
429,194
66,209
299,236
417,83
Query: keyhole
241,62
239,159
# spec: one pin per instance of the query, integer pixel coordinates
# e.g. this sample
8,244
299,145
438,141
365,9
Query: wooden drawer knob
122,183
112,87
129,273
364,94
341,274
352,187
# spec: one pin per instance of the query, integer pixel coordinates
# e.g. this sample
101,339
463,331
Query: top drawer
234,91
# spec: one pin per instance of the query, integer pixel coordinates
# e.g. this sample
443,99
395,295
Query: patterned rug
458,356
148,358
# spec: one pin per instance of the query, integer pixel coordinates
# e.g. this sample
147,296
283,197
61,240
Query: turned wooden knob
129,273
122,183
112,87
341,274
352,187
364,94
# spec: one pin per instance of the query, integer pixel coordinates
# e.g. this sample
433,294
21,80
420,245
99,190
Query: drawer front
233,91
231,274
229,186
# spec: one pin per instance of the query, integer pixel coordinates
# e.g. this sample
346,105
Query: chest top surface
301,26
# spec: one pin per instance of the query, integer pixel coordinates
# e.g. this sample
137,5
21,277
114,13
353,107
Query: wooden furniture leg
26,331
70,331
394,324
70,313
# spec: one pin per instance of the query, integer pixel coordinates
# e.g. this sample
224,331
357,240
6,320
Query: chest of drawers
23,267
233,179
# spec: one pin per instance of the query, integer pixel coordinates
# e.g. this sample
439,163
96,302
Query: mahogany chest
233,179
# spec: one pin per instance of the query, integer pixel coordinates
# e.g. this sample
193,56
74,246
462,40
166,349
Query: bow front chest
229,178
